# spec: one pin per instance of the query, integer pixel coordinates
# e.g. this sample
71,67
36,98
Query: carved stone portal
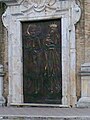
35,10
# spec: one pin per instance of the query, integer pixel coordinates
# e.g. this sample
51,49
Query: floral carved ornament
38,5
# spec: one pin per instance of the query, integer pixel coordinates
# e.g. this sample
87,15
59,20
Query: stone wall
87,31
1,35
3,49
80,46
82,40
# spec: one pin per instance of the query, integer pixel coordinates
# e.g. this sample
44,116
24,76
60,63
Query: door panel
42,69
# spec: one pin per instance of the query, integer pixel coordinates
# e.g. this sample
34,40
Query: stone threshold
44,118
38,105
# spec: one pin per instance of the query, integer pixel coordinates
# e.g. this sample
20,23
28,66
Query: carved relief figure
42,56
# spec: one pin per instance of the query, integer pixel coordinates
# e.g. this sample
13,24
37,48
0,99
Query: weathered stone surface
87,31
80,47
70,13
3,50
43,118
84,101
1,35
37,113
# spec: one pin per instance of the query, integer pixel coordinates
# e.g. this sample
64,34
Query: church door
42,61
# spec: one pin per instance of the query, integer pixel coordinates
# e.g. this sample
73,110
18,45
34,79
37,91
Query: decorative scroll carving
5,19
38,5
76,13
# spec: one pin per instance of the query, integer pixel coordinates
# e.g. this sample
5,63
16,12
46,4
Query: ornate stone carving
30,10
38,5
5,19
76,13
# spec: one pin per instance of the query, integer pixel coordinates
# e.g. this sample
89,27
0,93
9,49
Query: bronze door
42,69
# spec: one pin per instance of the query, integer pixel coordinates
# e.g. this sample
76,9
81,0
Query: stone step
44,113
44,118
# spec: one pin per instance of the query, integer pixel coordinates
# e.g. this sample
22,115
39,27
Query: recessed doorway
42,61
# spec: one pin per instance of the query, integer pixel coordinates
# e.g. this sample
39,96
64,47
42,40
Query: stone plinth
84,101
